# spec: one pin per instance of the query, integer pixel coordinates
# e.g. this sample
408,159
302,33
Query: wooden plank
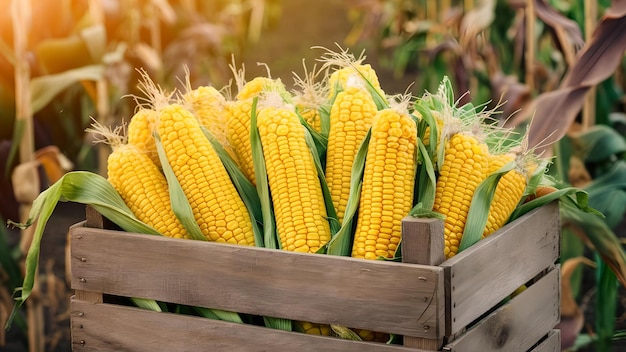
484,274
422,243
106,327
551,344
300,286
520,323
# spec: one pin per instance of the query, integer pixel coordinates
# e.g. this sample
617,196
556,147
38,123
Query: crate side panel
551,344
484,274
518,324
106,327
317,288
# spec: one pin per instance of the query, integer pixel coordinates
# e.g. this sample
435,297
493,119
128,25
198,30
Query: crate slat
376,295
484,274
518,324
137,330
551,344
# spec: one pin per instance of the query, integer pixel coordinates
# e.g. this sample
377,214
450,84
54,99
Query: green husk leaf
571,195
278,323
426,182
324,121
319,139
148,304
80,187
344,333
180,204
246,189
218,314
420,211
260,173
341,243
427,121
478,213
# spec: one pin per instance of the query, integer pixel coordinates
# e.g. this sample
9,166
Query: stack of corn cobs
332,167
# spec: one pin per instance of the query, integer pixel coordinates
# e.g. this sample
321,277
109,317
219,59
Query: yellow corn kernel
367,335
463,169
388,183
238,134
350,118
144,189
301,218
217,206
508,193
254,87
312,328
139,133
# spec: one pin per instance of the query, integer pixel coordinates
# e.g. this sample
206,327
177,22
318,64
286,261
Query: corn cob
347,67
254,87
140,182
350,119
217,206
238,134
339,78
508,193
463,169
238,120
140,133
301,219
312,328
388,182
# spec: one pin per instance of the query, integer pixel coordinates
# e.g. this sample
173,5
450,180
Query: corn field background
557,63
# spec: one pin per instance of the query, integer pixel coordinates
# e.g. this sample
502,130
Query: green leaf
44,88
478,213
260,173
341,243
604,240
606,306
571,195
320,140
81,187
427,181
148,304
180,204
218,314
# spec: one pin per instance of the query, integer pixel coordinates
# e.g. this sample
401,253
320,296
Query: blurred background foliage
513,54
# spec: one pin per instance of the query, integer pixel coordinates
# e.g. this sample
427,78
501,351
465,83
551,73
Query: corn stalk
21,13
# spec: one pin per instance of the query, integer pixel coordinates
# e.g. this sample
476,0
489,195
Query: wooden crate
437,305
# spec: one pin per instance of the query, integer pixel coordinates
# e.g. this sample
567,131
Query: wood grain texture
518,324
484,274
376,295
422,243
551,344
106,327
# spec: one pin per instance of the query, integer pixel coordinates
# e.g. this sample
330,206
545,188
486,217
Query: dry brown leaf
567,32
572,317
553,112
